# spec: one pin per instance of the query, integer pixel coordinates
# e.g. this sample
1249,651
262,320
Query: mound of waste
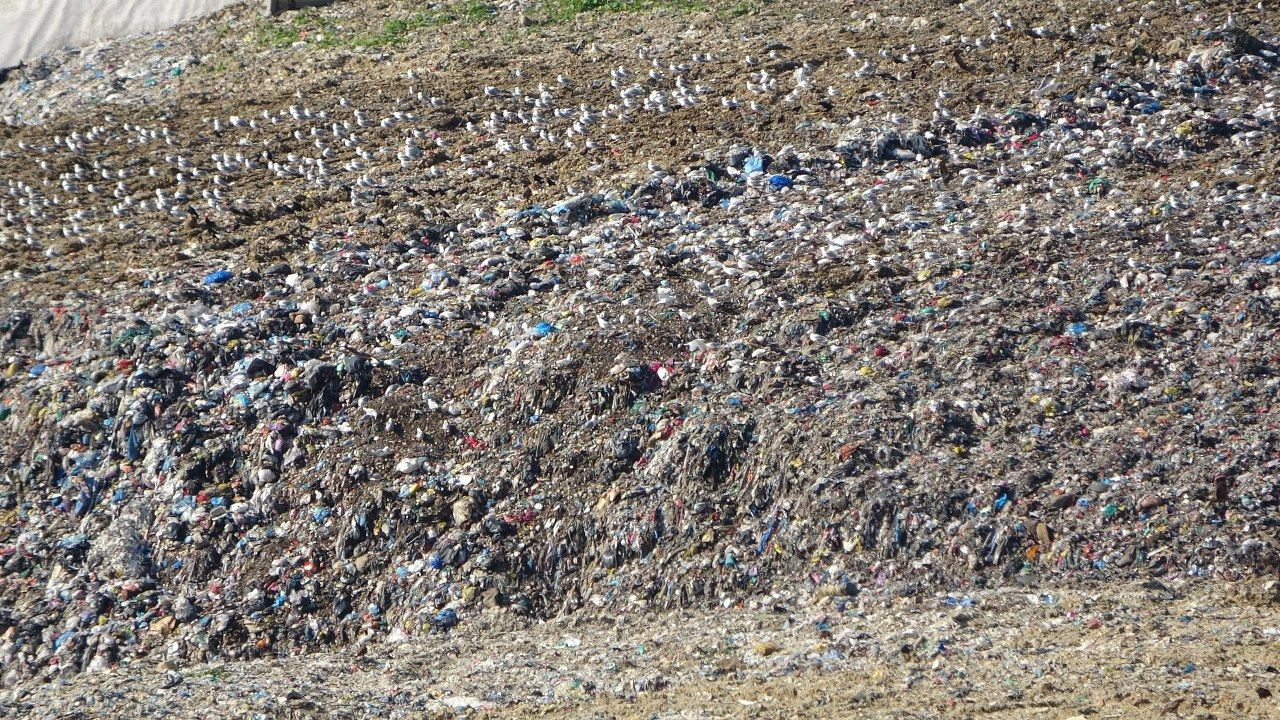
938,354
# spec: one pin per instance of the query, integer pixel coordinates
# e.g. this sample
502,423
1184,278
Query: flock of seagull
116,174
71,188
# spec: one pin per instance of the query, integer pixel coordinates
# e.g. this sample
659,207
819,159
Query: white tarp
32,27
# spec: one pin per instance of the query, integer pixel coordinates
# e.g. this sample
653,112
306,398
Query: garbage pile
963,351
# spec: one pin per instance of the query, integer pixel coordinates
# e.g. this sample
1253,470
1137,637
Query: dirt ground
234,72
1138,651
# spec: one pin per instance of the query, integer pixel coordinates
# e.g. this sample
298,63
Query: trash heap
938,353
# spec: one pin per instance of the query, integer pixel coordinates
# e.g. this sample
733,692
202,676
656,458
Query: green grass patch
474,11
212,69
305,19
278,36
301,25
565,10
307,24
740,8
396,31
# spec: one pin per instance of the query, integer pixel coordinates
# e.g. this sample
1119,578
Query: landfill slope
374,324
